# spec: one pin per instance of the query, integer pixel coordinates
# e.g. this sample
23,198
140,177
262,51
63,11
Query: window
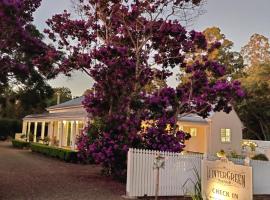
225,134
193,132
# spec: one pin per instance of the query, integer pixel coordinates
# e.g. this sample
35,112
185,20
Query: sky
237,19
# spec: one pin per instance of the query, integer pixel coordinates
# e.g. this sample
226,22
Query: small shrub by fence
8,127
62,154
141,176
20,144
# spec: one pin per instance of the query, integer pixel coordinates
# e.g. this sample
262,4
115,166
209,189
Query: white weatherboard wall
175,178
261,176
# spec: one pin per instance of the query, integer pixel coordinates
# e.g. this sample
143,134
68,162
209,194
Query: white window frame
225,135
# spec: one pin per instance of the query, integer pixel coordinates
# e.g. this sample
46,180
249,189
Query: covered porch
55,129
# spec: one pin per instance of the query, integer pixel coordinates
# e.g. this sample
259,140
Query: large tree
21,43
257,51
123,46
224,53
254,110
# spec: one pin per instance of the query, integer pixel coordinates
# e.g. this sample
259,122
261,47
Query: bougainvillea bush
124,46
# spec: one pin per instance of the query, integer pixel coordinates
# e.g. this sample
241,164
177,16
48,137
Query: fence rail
178,176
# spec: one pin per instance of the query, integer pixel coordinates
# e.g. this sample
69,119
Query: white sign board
223,180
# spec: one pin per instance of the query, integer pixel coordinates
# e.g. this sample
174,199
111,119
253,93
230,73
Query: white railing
178,176
176,179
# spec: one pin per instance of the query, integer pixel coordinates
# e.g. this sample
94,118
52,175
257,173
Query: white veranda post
60,133
43,130
24,128
72,134
28,130
35,132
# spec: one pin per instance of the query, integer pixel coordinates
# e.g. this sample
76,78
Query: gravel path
25,176
28,176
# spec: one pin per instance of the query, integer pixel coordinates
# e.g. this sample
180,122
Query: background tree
257,50
20,41
254,110
224,53
21,44
123,46
65,95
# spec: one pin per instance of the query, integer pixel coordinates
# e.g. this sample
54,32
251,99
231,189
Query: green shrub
20,144
8,127
260,157
62,154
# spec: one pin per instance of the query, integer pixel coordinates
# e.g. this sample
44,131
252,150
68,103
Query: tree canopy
257,51
124,46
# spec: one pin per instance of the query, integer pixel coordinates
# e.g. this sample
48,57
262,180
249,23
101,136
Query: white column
28,130
35,132
73,134
60,133
42,130
65,133
24,127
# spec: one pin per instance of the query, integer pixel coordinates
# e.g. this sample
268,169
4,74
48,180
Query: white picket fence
176,179
178,176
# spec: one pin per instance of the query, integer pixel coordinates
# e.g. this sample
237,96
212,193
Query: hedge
20,144
8,127
260,157
62,154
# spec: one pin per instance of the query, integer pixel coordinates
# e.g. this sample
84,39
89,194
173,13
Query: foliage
234,154
257,51
45,141
21,43
65,95
15,102
260,157
254,110
20,144
54,141
224,53
9,127
250,144
62,154
124,46
196,194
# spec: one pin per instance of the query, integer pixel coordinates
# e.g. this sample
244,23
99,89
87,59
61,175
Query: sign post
159,162
224,180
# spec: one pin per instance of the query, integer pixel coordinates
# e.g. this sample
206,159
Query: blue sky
237,19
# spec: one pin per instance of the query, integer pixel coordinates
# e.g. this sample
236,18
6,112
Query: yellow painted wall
196,143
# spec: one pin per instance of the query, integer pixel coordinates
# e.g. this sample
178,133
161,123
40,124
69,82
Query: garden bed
62,154
20,144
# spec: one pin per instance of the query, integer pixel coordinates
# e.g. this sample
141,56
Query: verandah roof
57,116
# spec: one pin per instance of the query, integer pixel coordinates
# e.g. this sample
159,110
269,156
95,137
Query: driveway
25,176
28,176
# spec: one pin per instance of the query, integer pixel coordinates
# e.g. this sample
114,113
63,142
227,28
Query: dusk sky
237,19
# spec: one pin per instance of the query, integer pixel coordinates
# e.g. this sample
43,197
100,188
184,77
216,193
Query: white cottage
63,122
220,131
